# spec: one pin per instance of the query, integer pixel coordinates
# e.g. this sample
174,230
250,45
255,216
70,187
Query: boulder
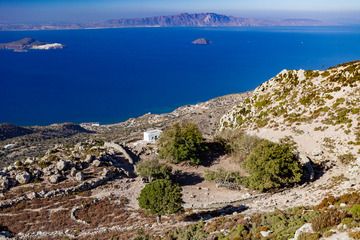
79,177
62,165
265,233
89,158
306,228
96,163
55,178
73,172
5,234
23,177
49,170
4,184
29,161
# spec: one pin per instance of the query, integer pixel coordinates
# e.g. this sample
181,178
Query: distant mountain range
180,20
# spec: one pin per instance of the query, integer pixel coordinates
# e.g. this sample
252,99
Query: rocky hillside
319,109
10,131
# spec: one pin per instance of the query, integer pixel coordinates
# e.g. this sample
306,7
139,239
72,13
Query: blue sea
109,75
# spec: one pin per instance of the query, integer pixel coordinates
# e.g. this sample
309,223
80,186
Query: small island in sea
201,41
25,44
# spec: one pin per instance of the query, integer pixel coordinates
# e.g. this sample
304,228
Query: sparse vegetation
346,158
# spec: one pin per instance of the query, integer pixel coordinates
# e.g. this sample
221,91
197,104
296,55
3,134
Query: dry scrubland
71,182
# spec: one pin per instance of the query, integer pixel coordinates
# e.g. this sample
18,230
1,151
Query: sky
51,11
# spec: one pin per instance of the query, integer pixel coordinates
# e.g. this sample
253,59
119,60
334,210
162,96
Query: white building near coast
152,135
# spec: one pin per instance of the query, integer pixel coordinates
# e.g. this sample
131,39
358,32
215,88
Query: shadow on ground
186,178
224,211
212,152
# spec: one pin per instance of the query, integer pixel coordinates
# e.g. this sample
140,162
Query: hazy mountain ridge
180,20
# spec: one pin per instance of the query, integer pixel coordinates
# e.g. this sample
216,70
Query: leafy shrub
326,219
222,176
181,142
152,170
272,165
161,197
355,211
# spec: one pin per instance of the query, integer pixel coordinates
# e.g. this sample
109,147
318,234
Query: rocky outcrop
201,41
29,43
83,186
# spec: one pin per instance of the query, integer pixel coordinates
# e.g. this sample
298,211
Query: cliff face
319,109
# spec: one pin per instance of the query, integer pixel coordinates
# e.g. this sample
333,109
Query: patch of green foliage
309,236
311,74
192,232
161,197
308,99
152,170
181,142
262,102
222,176
272,166
355,211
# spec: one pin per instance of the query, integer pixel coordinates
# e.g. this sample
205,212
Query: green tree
272,165
161,197
152,170
181,142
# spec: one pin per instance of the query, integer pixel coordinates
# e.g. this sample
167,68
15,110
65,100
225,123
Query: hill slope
319,109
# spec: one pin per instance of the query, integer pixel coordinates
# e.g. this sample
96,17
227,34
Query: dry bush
238,143
328,218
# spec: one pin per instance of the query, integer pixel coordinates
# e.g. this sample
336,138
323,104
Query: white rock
342,205
89,158
96,163
4,183
55,178
79,177
29,161
265,233
306,228
62,165
23,178
73,172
